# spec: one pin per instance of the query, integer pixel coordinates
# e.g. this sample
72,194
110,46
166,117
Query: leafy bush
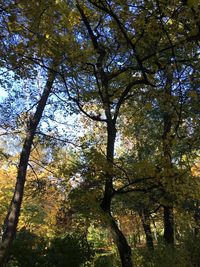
70,250
104,261
28,250
192,248
162,256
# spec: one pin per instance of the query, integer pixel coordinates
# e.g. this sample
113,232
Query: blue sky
3,93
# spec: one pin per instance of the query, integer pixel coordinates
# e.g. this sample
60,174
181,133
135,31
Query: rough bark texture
11,221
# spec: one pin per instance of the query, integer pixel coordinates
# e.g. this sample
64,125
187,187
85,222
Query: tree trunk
121,243
11,221
147,229
169,225
167,158
118,237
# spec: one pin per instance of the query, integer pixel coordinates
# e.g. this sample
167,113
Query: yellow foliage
196,169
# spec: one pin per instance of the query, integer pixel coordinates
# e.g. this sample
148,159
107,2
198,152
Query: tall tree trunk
169,225
121,243
145,218
11,221
117,235
168,166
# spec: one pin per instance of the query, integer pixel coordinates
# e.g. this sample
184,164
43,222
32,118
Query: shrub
162,256
28,250
70,250
192,248
104,261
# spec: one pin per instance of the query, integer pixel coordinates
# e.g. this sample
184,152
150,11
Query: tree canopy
99,128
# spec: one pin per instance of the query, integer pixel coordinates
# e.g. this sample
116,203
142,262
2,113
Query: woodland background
99,126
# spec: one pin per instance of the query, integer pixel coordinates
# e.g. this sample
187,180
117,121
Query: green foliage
70,250
118,74
191,246
98,236
104,261
185,254
28,250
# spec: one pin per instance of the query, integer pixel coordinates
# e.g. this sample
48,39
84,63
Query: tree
21,31
112,55
112,97
11,221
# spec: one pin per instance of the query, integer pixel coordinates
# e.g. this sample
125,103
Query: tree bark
169,225
11,221
168,166
121,243
118,237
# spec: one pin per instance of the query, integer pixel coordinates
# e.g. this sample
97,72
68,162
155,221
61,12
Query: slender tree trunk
167,144
145,218
117,235
169,225
11,221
